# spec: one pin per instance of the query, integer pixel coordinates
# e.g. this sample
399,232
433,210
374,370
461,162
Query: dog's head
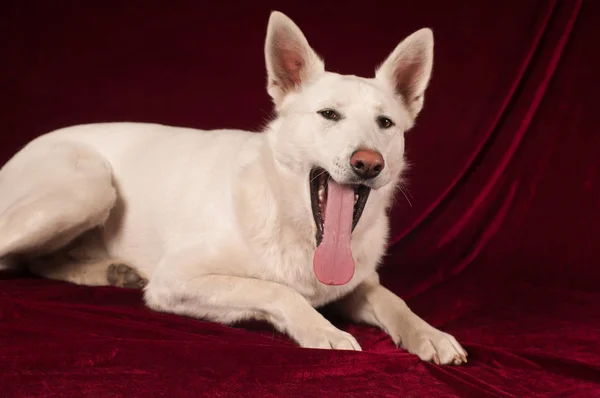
351,127
344,134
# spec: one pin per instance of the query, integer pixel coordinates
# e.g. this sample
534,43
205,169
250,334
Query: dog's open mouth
336,210
319,179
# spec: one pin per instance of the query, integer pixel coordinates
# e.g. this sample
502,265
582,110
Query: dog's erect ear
408,69
291,62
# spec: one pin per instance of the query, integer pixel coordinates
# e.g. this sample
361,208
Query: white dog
231,225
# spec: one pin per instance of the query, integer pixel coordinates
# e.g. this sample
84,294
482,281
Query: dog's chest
292,265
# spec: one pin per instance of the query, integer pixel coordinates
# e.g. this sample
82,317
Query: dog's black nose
367,163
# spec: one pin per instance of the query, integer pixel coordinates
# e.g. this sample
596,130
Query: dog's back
181,171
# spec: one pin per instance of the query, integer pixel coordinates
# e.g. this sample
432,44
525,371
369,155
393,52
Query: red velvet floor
498,246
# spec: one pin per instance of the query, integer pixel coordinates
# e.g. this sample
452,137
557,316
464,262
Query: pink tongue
333,262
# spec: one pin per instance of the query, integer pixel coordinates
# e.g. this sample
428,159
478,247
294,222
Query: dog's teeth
355,199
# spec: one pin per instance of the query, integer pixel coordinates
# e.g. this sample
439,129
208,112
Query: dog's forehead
343,91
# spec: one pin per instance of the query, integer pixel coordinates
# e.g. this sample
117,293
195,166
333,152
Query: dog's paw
122,275
327,338
433,345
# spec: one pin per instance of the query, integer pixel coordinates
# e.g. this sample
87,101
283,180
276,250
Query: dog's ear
291,62
408,69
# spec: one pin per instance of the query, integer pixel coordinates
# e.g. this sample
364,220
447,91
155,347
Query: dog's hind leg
100,272
86,262
50,193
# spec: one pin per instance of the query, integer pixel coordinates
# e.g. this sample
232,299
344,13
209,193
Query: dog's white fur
220,222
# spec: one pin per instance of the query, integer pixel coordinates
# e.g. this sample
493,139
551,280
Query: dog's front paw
433,345
327,337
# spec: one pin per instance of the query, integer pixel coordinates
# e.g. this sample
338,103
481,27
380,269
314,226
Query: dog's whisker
317,176
406,197
408,191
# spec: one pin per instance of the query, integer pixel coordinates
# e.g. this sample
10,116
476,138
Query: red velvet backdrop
499,244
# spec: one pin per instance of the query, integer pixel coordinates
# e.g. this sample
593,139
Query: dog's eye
330,114
384,122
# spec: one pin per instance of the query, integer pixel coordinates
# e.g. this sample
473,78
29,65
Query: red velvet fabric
498,245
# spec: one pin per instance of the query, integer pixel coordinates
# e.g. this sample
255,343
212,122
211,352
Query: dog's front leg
227,299
373,304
